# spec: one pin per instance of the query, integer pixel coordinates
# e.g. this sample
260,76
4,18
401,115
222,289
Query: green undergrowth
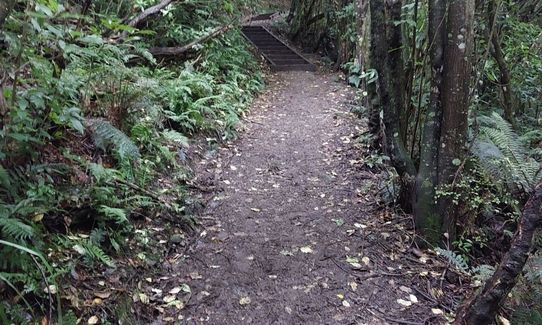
95,140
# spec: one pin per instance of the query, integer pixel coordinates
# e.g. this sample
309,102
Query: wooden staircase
280,56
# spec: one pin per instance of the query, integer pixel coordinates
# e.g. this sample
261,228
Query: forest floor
295,232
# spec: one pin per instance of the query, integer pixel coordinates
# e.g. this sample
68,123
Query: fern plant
106,136
504,156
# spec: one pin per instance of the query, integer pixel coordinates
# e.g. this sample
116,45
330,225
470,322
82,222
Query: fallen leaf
437,311
405,303
405,289
144,298
185,288
244,301
353,285
93,320
359,225
175,290
103,295
168,299
353,261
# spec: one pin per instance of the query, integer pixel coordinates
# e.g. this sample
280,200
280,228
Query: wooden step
279,55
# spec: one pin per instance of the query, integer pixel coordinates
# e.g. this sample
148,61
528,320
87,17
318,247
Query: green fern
92,253
502,153
106,136
15,228
456,260
118,215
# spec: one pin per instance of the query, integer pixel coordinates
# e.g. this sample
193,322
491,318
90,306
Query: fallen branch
482,308
151,11
179,50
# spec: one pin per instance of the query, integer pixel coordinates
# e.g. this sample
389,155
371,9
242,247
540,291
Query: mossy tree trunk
428,223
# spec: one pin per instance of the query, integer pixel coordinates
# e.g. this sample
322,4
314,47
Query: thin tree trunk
427,219
482,308
497,53
455,93
362,53
394,76
504,80
388,98
377,55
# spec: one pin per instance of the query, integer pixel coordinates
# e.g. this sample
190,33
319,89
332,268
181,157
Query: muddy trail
294,232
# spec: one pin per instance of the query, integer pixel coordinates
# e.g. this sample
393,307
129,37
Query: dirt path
288,240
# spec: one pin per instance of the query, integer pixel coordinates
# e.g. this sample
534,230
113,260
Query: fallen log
482,308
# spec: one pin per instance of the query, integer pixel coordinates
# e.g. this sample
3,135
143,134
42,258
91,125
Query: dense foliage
91,120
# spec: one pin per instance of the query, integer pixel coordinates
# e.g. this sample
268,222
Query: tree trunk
373,98
504,80
482,308
387,96
427,219
361,55
455,94
5,9
393,107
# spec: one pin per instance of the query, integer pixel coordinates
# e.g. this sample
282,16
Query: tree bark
373,98
387,97
455,106
6,6
427,219
482,308
361,55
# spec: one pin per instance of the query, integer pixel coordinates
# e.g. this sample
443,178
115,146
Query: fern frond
15,228
118,215
456,260
504,156
106,135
